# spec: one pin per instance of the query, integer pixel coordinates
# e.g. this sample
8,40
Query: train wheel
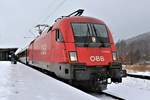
98,87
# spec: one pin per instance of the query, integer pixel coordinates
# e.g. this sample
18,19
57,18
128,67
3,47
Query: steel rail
139,76
113,96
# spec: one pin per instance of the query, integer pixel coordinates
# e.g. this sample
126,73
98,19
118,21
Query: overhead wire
55,10
33,25
49,15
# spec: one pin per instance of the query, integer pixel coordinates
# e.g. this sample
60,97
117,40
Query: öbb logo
97,58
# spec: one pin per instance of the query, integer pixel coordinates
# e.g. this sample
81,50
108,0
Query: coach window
59,37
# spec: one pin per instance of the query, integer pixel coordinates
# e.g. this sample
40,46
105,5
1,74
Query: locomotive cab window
59,37
90,34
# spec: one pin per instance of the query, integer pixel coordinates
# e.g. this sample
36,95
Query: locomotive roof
76,19
80,18
71,19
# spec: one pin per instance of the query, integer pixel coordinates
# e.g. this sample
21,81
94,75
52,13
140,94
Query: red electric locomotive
79,49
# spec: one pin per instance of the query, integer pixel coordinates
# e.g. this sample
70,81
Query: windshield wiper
87,37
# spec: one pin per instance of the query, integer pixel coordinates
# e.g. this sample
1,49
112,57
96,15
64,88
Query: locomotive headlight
73,56
114,55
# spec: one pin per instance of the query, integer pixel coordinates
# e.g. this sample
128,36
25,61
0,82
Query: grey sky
125,18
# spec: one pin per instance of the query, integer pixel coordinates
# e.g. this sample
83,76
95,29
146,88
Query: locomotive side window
59,37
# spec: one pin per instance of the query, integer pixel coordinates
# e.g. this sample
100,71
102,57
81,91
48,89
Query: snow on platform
19,82
131,89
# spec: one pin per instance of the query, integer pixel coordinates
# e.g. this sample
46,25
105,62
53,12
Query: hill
135,50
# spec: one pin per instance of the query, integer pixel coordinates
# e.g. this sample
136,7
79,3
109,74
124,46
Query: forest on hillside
135,50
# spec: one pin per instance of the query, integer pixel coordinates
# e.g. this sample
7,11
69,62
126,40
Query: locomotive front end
93,57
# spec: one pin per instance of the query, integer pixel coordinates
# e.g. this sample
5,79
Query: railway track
139,76
113,96
106,95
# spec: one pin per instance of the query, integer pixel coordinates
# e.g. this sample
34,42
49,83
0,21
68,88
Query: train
76,48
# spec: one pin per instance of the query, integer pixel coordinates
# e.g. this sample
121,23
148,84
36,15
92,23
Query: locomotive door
59,48
32,52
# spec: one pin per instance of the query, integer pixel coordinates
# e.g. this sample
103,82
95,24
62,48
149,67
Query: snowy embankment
19,82
131,89
141,73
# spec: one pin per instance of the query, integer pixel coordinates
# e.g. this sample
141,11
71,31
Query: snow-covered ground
131,89
19,82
